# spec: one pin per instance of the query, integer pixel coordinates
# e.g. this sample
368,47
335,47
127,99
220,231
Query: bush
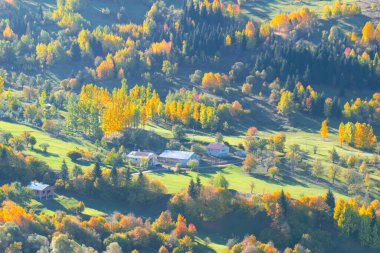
178,132
199,149
52,127
74,155
142,138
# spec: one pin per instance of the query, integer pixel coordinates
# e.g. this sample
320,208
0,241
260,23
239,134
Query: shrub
74,155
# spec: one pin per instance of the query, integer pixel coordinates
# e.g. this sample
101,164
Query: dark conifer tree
191,190
330,200
283,203
64,171
97,171
114,175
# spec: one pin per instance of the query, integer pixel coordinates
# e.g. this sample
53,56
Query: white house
218,150
138,158
172,157
42,190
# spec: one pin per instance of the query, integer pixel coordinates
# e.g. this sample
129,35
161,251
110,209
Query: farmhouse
42,190
217,149
138,158
172,157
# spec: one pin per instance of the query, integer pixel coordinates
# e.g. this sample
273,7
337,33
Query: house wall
48,192
218,152
137,161
170,161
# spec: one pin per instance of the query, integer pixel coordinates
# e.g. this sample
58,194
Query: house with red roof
218,149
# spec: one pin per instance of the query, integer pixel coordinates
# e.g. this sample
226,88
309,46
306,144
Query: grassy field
58,147
262,10
240,181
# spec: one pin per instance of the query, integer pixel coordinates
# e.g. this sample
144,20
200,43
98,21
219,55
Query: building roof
37,186
216,145
139,154
174,154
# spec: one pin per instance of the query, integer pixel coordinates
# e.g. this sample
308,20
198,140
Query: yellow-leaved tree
368,32
324,129
8,32
341,133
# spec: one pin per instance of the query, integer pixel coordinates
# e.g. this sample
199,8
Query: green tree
333,172
330,200
191,190
77,171
32,141
317,170
283,203
178,132
44,147
97,171
218,138
198,185
62,244
273,171
193,164
376,237
365,230
334,156
220,181
114,247
74,155
114,176
64,171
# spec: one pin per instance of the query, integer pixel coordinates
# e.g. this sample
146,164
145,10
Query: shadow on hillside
53,204
149,210
264,115
350,23
233,226
83,163
306,124
284,180
45,154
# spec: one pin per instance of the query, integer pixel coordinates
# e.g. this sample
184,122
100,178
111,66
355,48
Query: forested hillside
189,126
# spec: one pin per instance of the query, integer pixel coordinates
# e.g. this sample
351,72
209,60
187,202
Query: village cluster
170,159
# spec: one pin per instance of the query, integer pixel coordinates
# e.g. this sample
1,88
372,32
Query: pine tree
114,175
4,156
376,237
128,175
191,191
198,186
97,171
365,231
283,203
373,218
40,12
330,200
64,171
334,156
140,179
77,171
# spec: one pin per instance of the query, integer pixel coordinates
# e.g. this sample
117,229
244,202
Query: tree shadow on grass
148,210
283,180
300,121
83,163
53,204
290,180
45,154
